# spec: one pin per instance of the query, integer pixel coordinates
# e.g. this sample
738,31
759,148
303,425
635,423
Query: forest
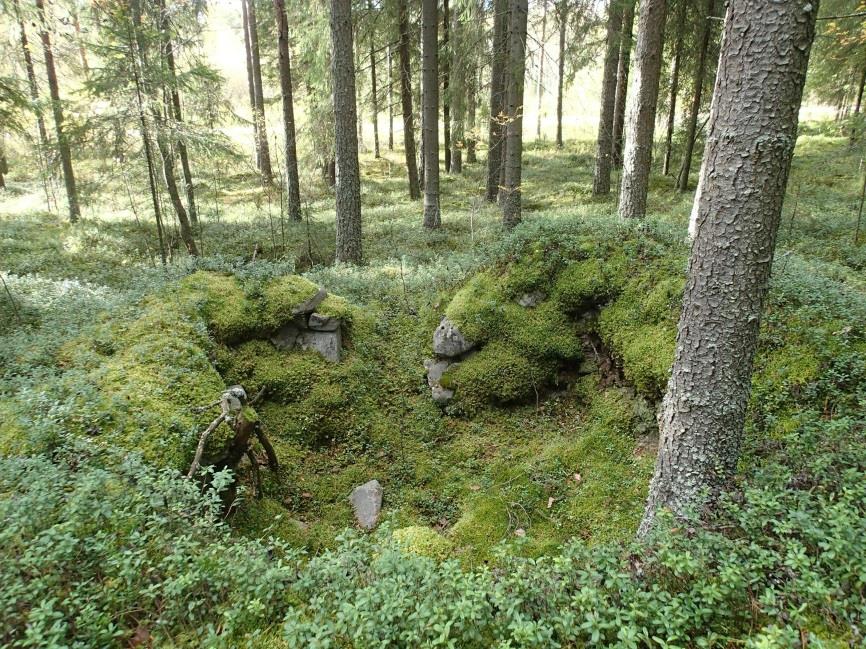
433,323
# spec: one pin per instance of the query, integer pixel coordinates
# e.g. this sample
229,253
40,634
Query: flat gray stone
366,502
435,369
448,341
328,343
305,308
319,322
286,337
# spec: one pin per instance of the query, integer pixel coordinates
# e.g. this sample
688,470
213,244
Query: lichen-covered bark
430,100
641,114
604,140
496,133
511,199
293,183
406,100
622,71
348,186
748,156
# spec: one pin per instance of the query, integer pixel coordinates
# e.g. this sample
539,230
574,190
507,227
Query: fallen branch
230,401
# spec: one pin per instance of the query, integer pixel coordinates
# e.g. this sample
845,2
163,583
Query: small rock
366,502
520,532
529,300
328,343
310,305
319,322
448,341
286,337
435,369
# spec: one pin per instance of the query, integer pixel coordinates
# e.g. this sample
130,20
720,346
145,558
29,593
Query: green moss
281,296
230,315
423,541
285,376
477,308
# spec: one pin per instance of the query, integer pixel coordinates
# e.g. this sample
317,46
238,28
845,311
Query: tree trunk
390,100
496,135
675,86
251,83
604,141
458,91
4,163
472,111
348,220
858,102
430,127
540,85
511,205
622,81
446,81
637,156
374,91
560,80
293,183
749,148
262,130
31,77
186,232
82,52
700,72
406,100
57,109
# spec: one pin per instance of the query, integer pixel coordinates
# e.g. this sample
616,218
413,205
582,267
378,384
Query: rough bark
511,203
374,90
31,77
560,80
497,98
540,85
446,81
430,99
57,110
674,89
348,189
406,100
697,97
293,183
251,83
637,155
458,102
604,139
757,99
262,130
622,71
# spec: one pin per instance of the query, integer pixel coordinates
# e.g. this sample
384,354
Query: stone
308,306
435,369
366,502
319,322
448,341
530,300
328,343
286,337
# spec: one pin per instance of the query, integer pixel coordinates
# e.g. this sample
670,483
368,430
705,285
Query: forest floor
573,460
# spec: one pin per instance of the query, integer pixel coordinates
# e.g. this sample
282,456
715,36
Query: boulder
366,502
319,322
435,369
449,342
328,344
286,337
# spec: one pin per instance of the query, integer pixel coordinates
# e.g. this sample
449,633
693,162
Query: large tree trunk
458,92
540,85
446,81
497,98
697,97
622,81
749,148
251,83
293,183
430,99
604,141
262,130
31,77
374,91
57,109
675,86
348,221
560,79
637,156
511,204
406,100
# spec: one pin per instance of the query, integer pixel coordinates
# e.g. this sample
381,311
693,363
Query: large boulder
449,342
366,502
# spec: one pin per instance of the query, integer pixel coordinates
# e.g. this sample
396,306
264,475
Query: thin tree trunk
622,81
511,206
604,141
430,127
749,148
458,90
697,97
560,80
31,77
262,130
446,81
374,90
186,232
496,137
82,52
348,220
472,110
390,100
4,163
637,155
251,83
57,109
675,86
293,183
406,100
858,103
540,85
